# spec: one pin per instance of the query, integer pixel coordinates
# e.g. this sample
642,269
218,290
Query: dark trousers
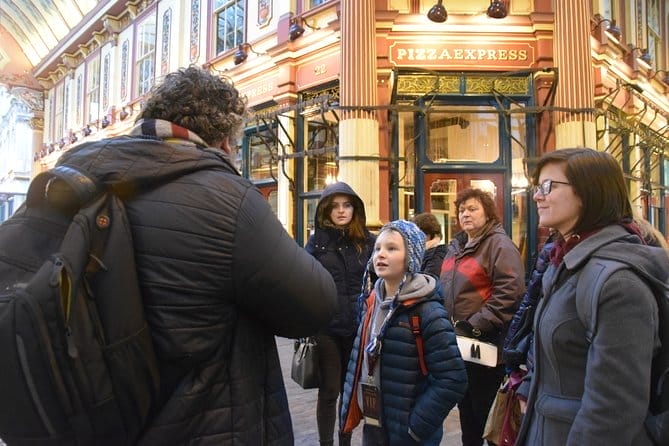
333,356
373,436
474,407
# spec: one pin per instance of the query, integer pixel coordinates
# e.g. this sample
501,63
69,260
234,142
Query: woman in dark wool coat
342,244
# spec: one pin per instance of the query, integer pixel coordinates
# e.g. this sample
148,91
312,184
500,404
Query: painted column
358,129
576,81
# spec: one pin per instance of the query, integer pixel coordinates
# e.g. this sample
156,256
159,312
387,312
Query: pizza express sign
506,55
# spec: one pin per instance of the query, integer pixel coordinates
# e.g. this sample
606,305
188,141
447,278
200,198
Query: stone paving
303,408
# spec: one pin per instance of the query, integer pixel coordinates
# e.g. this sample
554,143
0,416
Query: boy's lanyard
373,348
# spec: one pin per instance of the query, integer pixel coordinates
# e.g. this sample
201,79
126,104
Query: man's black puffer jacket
220,278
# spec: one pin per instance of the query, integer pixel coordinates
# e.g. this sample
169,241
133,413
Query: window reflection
146,54
322,140
310,205
471,137
407,146
262,148
519,180
442,202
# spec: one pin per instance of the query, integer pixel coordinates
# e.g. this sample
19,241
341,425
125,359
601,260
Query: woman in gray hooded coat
591,385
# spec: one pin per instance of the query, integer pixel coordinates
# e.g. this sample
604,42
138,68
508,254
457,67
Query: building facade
405,101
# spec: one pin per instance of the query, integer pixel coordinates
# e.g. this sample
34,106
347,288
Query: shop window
519,178
322,140
229,18
78,101
656,190
146,55
314,3
655,47
316,142
463,136
66,105
406,161
310,205
610,8
262,149
93,89
442,205
59,111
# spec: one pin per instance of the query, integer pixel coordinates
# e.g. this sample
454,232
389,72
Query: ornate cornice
32,98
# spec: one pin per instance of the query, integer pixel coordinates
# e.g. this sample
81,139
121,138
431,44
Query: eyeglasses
546,186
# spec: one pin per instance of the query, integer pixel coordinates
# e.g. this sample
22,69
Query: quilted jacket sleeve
277,280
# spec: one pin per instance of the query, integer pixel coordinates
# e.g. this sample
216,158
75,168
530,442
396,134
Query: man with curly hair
220,276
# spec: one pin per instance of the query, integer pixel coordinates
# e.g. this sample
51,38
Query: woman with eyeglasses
483,280
591,381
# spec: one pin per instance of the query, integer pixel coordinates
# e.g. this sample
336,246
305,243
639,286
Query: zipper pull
58,266
71,348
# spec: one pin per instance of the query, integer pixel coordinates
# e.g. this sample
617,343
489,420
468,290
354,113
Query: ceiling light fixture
437,13
496,10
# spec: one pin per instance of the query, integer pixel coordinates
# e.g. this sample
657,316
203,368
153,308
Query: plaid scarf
161,129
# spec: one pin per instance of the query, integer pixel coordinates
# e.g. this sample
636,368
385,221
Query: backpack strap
588,288
414,320
80,188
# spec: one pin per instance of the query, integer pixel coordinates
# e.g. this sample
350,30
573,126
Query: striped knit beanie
414,241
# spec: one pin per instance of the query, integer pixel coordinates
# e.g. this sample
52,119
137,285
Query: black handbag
515,352
305,370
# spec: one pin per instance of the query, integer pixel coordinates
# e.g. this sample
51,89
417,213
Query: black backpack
588,287
78,364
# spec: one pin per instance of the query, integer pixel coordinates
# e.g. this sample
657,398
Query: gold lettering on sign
320,69
259,90
466,54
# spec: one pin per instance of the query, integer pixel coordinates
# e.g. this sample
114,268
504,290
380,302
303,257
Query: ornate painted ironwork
505,85
194,30
165,53
124,70
105,83
424,84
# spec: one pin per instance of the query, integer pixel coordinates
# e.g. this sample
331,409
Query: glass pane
484,185
260,153
457,136
322,140
236,155
407,140
309,215
442,199
93,89
220,34
273,201
519,180
230,19
655,186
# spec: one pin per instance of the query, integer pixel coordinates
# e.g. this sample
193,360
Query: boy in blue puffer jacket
405,373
